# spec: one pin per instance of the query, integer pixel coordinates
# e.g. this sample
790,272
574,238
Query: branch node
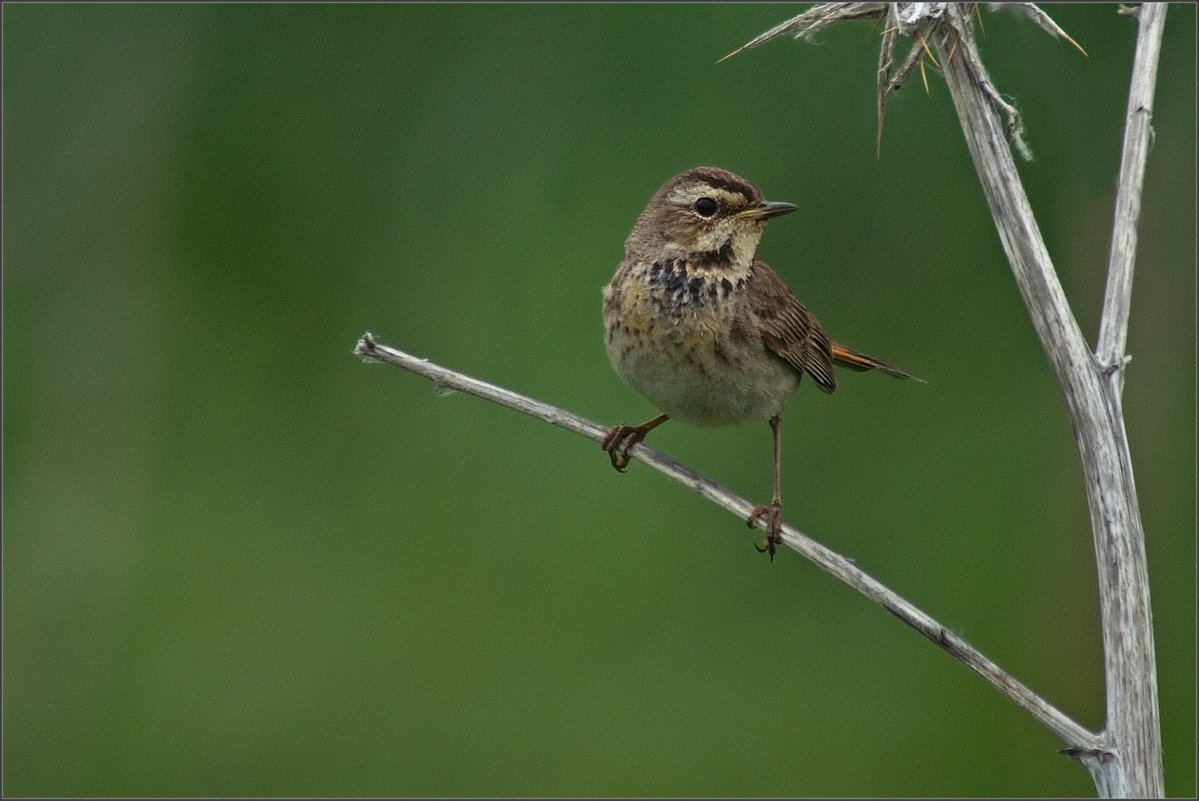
1101,755
1117,366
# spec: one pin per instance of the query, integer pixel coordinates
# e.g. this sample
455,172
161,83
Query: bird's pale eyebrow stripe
684,195
688,194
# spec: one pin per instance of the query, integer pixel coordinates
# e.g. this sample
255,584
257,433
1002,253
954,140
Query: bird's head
705,216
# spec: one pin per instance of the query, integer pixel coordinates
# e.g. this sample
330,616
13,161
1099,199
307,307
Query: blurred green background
238,561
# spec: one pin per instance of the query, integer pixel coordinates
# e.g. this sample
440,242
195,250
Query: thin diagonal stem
1138,136
1077,738
1132,730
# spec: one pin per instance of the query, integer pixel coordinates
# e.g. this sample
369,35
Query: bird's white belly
694,371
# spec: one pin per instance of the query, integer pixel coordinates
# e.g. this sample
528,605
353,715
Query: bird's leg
621,438
771,514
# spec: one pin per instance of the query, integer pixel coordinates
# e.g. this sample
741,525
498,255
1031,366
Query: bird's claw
771,514
618,442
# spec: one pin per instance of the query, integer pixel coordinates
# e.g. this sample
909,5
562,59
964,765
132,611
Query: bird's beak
765,210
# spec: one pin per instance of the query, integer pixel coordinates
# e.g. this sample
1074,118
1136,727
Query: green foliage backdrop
237,561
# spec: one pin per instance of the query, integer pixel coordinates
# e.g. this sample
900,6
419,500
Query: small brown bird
704,329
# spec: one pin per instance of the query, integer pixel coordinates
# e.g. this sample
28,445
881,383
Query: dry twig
1074,735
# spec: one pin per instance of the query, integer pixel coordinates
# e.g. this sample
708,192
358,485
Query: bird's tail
847,357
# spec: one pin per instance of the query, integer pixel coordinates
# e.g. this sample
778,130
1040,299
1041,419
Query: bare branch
1081,742
1132,730
1138,137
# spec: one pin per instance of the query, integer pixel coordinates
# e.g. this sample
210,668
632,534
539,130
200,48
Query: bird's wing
788,329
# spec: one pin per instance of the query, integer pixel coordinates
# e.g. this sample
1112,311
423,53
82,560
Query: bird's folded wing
788,329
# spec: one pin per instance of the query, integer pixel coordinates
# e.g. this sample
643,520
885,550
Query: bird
704,329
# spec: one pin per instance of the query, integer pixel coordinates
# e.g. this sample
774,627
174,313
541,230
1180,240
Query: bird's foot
618,442
771,514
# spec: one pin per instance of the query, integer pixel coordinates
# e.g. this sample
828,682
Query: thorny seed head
947,25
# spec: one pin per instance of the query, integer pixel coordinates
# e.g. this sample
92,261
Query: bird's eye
705,207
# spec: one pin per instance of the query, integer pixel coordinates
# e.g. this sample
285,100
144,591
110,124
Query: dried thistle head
949,26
